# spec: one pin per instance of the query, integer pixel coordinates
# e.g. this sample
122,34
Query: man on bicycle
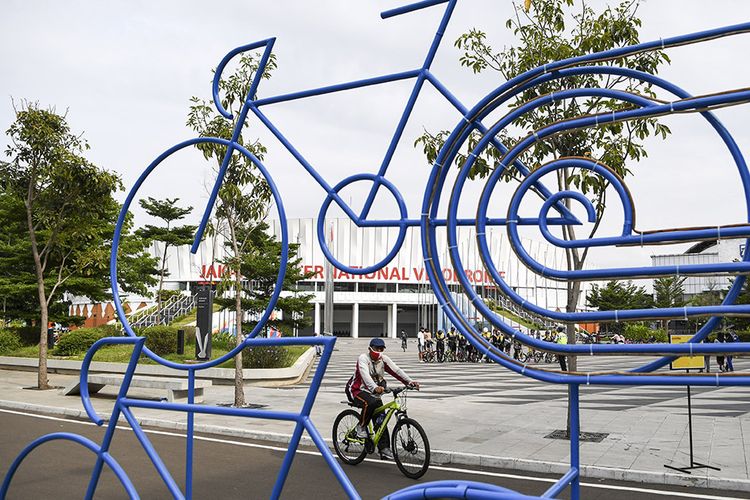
368,383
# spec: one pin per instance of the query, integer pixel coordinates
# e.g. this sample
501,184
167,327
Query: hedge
640,333
9,341
162,340
265,357
78,341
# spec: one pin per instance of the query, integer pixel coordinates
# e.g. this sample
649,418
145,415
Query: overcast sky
125,71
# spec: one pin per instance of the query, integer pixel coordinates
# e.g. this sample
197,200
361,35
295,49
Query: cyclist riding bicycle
368,383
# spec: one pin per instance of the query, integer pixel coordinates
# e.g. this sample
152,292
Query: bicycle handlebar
398,390
410,8
268,43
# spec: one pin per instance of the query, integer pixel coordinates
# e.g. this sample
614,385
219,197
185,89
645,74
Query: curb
439,457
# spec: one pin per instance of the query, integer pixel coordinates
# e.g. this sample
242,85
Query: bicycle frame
390,408
420,76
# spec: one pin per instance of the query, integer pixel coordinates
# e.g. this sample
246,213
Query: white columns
355,320
316,325
392,320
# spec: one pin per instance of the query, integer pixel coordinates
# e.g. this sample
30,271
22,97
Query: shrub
9,341
166,295
265,357
109,330
223,340
162,340
28,335
189,334
639,333
78,341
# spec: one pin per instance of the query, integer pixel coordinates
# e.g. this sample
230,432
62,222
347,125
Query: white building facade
704,252
396,297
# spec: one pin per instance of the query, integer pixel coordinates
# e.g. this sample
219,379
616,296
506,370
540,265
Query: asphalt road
227,468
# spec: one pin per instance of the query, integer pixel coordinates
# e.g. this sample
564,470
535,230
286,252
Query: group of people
725,363
451,346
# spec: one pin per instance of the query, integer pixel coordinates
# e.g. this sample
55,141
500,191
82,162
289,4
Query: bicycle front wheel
349,448
411,448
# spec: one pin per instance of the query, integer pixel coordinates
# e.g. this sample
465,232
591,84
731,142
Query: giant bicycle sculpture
433,217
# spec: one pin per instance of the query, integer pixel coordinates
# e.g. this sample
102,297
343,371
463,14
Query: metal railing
176,306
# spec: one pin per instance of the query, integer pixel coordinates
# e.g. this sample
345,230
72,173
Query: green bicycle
411,450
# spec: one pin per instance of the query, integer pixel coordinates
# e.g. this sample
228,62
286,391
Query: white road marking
432,467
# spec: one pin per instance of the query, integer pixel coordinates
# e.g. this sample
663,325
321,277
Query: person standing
562,339
440,345
453,342
427,340
403,340
720,359
730,337
420,343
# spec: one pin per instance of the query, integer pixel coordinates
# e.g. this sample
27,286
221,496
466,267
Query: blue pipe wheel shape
461,133
282,264
402,223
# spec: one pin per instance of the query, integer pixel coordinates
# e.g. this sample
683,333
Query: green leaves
619,296
669,292
259,266
59,207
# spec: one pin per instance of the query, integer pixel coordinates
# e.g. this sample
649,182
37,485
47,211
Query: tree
669,292
168,211
244,197
619,296
68,212
259,265
554,30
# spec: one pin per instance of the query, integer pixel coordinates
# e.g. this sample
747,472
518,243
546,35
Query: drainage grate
585,437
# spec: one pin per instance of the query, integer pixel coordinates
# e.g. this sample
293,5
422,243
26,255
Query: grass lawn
121,354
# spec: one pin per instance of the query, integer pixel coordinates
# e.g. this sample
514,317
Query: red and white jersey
368,373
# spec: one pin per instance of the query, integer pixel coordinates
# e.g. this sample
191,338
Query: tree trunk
239,386
42,379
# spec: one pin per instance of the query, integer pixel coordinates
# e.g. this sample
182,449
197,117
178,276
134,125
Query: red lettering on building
418,273
394,274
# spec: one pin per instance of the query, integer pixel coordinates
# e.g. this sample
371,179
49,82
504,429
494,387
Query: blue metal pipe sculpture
553,212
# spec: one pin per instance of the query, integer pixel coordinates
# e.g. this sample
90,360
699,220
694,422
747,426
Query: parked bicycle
411,449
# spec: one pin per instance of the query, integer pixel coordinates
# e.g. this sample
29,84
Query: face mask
374,355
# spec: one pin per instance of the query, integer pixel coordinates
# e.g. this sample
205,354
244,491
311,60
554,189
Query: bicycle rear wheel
348,447
410,448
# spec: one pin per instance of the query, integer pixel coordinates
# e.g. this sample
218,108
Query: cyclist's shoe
386,454
360,432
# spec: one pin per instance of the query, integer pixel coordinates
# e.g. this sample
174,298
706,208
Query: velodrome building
382,303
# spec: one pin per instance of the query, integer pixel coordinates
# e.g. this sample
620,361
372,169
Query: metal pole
575,430
328,311
690,426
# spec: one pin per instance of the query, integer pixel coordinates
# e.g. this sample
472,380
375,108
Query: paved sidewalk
465,429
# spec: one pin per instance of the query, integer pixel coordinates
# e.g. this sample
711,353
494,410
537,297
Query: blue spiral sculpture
431,219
